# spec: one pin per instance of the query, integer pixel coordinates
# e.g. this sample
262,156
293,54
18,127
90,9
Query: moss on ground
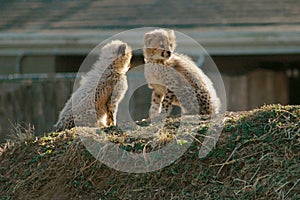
256,157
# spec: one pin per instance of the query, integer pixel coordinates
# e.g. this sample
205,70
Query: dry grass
256,157
22,132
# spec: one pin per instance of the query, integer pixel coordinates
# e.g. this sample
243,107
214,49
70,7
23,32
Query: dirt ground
257,156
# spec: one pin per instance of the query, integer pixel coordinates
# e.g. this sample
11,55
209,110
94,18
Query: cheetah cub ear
122,50
148,39
172,38
171,34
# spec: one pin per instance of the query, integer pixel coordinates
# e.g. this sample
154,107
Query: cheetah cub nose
166,54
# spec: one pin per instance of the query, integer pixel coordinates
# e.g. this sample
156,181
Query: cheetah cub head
120,53
159,45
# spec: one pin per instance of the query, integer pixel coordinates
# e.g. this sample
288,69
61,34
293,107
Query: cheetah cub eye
162,46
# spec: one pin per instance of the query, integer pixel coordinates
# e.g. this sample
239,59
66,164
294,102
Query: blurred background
254,43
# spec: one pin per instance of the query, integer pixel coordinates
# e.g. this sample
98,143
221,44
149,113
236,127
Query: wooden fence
38,100
34,101
256,88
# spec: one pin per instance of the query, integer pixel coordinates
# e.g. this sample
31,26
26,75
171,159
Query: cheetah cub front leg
114,100
112,108
167,102
158,92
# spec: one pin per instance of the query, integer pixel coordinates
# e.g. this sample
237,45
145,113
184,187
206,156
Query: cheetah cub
95,102
175,79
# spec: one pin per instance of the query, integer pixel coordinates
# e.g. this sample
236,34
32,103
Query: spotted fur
95,102
175,79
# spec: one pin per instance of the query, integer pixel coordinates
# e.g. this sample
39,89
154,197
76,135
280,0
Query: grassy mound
256,157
